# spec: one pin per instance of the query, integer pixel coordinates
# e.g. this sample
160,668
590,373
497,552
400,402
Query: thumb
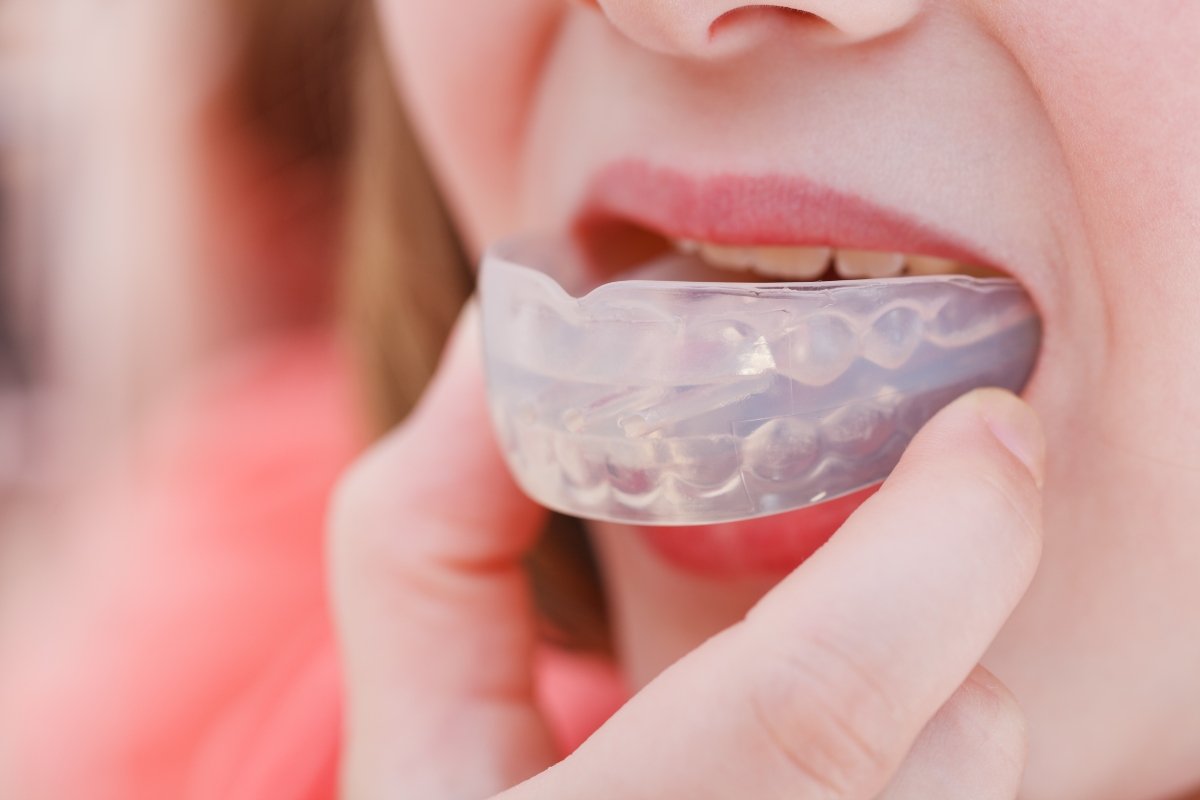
433,611
821,691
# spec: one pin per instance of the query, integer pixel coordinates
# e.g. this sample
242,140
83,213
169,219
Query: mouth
740,263
756,228
825,263
763,230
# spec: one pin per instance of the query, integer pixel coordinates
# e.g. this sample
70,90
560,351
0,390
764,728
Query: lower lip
773,545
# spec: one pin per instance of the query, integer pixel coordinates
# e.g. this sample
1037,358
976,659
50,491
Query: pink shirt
184,649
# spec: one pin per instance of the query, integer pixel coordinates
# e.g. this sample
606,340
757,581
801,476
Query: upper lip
763,209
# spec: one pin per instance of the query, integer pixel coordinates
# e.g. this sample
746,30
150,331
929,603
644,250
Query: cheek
1118,81
468,71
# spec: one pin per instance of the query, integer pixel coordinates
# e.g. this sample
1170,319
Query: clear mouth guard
684,403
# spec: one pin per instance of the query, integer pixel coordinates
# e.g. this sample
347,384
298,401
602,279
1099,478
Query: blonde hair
314,77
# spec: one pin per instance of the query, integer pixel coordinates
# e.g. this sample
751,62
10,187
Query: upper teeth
868,264
808,263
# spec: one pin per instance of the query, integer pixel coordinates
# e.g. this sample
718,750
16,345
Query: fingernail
1017,427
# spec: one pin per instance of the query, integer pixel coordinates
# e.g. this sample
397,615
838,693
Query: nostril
754,20
710,29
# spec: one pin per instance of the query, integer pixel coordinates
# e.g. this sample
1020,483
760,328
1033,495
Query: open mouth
757,228
826,263
624,250
731,372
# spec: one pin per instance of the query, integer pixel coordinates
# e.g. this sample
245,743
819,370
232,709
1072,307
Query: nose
715,28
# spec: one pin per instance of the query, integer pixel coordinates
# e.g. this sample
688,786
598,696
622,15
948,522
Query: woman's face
1057,138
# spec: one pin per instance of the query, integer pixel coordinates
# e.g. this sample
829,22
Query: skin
1059,137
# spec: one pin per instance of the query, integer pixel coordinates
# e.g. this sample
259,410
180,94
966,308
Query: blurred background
151,220
174,397
224,267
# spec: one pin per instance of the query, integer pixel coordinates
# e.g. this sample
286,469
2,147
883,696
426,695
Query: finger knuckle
347,500
990,724
829,719
353,506
369,502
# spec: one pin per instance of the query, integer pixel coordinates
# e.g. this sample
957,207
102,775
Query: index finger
434,612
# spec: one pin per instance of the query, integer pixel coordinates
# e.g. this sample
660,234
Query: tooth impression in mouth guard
688,403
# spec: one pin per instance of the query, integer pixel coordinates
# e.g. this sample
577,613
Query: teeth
928,265
976,271
790,263
868,264
719,255
809,263
795,263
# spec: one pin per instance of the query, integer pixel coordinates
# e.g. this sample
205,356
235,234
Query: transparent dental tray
685,403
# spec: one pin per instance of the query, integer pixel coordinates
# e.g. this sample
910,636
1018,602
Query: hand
857,676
